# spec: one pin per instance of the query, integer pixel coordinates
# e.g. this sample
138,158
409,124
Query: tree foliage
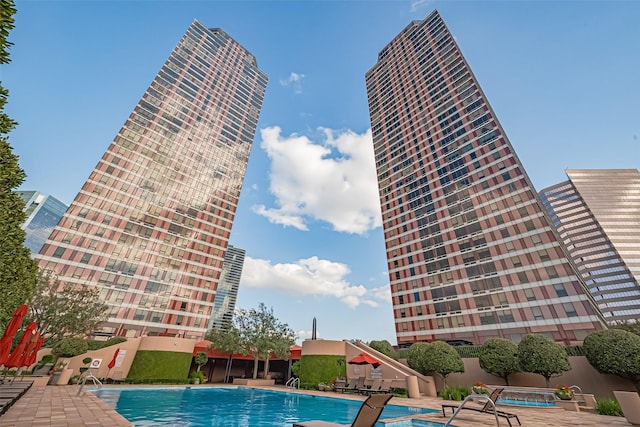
384,347
64,309
435,358
539,355
255,332
499,357
17,269
70,347
633,327
201,358
615,352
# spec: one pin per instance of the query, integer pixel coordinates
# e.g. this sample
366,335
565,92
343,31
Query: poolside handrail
93,378
293,382
473,397
574,388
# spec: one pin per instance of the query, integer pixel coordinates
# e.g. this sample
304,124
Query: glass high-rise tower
150,227
470,252
597,215
227,290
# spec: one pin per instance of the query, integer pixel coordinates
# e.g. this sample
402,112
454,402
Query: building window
570,309
59,252
561,291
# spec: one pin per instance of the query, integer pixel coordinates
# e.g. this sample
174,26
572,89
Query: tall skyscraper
470,253
43,213
151,225
227,291
597,215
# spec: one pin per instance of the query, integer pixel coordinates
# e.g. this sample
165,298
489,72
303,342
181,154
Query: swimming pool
233,407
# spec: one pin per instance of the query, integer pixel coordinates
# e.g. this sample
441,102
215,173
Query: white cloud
420,4
294,80
309,277
334,181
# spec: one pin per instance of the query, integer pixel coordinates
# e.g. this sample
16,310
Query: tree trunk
546,380
266,368
506,379
227,371
255,367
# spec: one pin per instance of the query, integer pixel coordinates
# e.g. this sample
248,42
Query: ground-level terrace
59,406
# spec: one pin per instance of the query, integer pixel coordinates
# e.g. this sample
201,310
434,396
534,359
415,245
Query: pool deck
58,406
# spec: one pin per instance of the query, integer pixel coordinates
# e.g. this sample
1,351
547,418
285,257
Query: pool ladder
93,378
473,397
293,382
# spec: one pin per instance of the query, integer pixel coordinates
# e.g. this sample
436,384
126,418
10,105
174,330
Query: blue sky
562,77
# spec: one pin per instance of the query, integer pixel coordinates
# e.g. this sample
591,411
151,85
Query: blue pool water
233,407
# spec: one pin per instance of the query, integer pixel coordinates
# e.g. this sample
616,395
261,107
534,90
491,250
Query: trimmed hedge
97,345
160,365
473,351
316,369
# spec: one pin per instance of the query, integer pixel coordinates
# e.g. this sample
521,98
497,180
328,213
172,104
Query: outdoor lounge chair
375,386
368,414
355,386
487,408
385,387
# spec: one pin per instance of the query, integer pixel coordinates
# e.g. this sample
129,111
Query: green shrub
69,347
609,406
455,392
97,345
47,358
197,374
316,369
154,365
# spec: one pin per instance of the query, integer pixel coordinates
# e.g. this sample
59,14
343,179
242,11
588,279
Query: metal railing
473,397
293,382
93,378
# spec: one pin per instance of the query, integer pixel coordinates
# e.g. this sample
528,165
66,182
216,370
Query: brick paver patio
58,406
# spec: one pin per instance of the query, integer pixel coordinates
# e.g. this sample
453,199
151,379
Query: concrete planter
630,404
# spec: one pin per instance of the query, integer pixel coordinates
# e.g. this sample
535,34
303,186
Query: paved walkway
58,406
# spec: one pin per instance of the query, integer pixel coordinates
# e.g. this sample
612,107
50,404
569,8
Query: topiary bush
316,369
615,352
540,355
609,406
499,357
160,365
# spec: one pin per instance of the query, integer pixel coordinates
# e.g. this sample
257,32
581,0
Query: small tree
256,332
499,357
615,352
438,357
384,347
539,355
65,310
201,358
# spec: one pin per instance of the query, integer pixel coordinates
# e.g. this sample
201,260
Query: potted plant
563,392
480,388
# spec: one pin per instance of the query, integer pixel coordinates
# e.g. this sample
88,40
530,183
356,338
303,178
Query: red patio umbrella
15,359
31,350
10,331
113,361
365,359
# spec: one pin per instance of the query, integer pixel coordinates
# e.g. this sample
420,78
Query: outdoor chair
359,383
375,386
487,408
368,414
385,387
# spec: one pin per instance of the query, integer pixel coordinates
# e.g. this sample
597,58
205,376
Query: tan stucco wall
581,374
323,347
180,345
